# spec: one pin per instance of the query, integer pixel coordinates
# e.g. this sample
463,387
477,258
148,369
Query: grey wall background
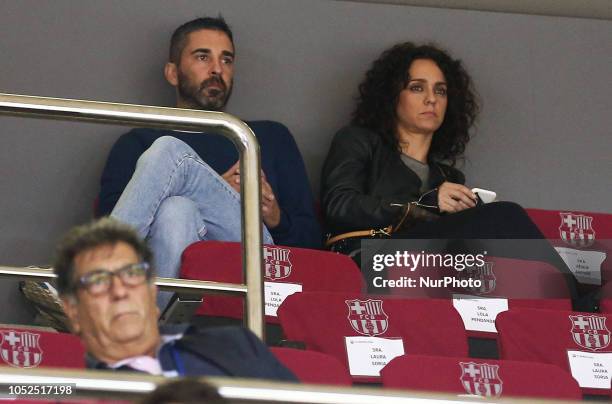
543,138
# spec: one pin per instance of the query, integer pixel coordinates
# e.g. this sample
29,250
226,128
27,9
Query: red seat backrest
483,377
553,225
511,278
313,269
29,348
323,320
578,230
313,367
546,335
542,304
524,283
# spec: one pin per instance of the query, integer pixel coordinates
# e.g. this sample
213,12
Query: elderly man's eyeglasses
99,281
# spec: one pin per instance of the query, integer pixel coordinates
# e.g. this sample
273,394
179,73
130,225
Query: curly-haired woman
415,108
397,159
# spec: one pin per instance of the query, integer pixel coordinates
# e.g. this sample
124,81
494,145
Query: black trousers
503,229
494,221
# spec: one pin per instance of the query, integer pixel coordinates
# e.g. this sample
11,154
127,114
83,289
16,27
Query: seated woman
395,164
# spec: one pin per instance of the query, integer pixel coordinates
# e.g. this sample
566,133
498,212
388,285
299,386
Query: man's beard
198,96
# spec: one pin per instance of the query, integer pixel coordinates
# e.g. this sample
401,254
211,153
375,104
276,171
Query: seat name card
275,295
368,355
479,314
591,369
585,265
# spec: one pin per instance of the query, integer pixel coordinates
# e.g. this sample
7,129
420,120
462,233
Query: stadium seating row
290,270
583,239
413,342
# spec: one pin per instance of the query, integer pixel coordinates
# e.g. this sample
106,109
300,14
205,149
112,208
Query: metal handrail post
184,119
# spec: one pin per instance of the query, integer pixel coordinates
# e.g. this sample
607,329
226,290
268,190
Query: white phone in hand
484,195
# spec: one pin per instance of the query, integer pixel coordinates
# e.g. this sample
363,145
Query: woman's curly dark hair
388,76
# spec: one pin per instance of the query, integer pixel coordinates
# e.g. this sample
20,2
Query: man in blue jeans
177,187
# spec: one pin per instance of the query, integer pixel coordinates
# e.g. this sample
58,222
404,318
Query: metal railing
183,119
189,287
125,385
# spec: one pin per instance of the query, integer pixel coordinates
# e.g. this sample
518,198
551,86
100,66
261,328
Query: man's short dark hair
102,232
179,37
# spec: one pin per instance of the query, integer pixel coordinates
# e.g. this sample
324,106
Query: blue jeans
175,199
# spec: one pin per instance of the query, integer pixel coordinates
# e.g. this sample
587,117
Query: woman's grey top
420,169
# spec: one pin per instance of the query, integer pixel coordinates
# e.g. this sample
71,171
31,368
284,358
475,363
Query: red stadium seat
532,284
312,269
543,304
488,378
511,278
324,321
580,231
522,283
555,225
30,348
546,336
313,367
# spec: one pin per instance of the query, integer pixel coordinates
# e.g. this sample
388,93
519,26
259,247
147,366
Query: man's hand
269,205
455,197
270,211
232,176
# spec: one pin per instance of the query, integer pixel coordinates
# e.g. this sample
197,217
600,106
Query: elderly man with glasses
105,280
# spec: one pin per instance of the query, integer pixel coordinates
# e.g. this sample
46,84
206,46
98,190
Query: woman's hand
455,197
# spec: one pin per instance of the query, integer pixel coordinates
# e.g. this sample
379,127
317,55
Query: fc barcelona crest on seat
590,332
278,265
20,349
577,230
484,274
367,317
481,379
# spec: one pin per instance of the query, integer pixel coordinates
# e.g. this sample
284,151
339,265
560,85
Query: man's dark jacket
218,351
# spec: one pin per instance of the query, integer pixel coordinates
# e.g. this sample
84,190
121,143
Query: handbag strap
407,211
359,233
386,231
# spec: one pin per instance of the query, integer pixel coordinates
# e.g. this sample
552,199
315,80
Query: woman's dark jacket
364,177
